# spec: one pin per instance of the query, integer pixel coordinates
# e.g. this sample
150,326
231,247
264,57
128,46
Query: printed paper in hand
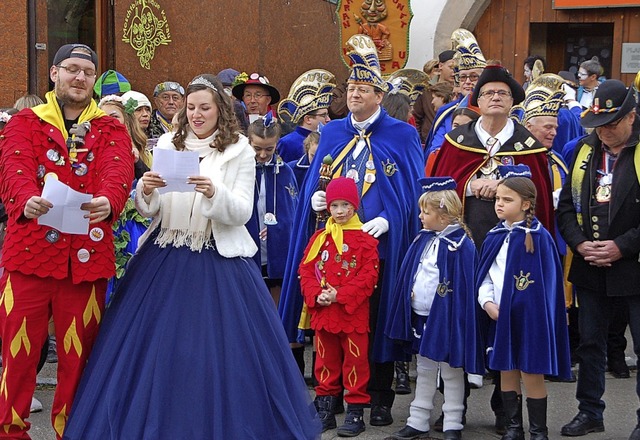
66,215
174,167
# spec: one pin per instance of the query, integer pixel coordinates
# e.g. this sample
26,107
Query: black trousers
381,378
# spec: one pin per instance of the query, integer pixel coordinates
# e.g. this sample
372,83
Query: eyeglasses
360,90
324,115
582,75
75,70
502,94
463,78
257,96
165,97
613,125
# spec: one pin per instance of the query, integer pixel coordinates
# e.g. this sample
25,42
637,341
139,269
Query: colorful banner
385,21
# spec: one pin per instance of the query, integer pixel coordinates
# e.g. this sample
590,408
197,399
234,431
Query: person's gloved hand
376,226
556,197
319,201
569,92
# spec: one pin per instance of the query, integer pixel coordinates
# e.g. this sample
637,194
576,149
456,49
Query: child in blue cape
434,310
520,287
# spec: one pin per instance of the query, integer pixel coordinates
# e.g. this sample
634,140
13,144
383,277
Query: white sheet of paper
66,215
174,167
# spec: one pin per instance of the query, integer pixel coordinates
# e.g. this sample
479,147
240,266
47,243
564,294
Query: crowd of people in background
451,217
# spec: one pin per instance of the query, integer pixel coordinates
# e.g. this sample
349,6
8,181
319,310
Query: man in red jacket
47,271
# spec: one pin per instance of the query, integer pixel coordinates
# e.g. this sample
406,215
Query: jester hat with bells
311,91
366,66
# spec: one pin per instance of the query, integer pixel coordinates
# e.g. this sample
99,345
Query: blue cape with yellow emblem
451,332
531,331
397,157
279,177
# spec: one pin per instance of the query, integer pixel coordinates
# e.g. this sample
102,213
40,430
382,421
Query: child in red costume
337,275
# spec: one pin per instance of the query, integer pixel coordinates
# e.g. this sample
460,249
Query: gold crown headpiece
468,54
543,97
366,66
410,82
311,91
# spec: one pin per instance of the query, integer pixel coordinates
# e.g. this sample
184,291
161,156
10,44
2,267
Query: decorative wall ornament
145,28
386,22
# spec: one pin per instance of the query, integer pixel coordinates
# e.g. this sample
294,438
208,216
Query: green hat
111,83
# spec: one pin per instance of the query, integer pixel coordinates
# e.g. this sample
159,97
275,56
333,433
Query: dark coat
623,277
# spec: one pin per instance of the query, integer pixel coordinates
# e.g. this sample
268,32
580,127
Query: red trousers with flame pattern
26,303
342,356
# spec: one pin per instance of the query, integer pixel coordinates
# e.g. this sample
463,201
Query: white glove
556,198
376,226
319,201
569,92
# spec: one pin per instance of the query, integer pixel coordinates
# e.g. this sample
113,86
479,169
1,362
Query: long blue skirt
191,348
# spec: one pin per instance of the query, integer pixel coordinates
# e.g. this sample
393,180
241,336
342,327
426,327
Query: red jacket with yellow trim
31,148
354,275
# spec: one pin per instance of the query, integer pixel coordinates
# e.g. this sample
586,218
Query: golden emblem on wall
145,28
386,22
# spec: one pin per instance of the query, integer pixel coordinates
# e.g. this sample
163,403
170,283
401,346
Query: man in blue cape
384,157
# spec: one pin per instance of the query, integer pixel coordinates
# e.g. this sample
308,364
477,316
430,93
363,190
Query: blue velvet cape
290,146
286,199
530,334
300,167
397,157
451,332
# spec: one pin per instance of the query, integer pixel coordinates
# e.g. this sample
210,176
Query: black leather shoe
635,434
407,433
380,416
619,370
452,435
582,425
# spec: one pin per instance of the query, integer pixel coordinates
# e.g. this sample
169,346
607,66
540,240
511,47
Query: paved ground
619,417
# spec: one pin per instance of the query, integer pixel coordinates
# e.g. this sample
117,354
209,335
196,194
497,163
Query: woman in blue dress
192,310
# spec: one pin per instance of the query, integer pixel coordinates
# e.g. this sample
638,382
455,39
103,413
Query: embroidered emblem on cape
529,142
523,281
460,138
506,160
518,146
389,167
292,190
443,288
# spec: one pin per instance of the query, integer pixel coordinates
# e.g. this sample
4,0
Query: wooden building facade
511,30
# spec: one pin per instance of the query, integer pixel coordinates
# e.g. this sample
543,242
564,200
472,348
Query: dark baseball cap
75,51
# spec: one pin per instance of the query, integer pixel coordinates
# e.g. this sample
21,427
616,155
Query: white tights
426,385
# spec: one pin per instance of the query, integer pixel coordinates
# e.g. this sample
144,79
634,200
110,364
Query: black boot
353,422
402,378
512,402
538,418
323,406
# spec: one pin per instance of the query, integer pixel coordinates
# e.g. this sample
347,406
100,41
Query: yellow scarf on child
335,230
50,112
